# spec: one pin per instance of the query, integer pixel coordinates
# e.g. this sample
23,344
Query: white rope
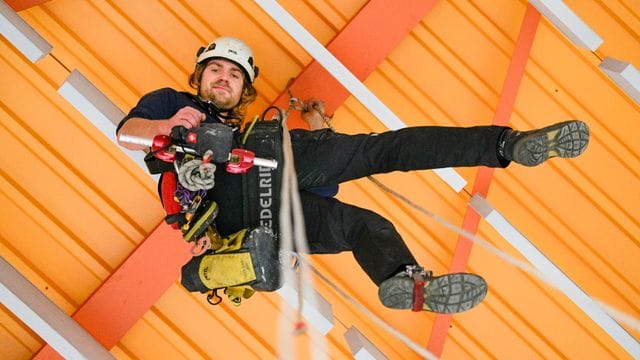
196,175
633,323
613,312
292,227
504,256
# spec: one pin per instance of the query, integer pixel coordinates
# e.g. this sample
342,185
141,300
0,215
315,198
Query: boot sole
566,139
446,294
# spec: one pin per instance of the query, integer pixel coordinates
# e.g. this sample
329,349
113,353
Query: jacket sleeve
156,105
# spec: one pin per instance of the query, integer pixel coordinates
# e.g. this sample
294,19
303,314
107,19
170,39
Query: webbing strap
418,293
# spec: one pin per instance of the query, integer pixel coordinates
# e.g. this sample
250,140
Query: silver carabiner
297,104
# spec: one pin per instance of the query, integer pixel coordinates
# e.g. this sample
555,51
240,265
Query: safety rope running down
292,227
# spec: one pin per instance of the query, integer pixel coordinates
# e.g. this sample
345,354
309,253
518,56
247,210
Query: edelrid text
266,197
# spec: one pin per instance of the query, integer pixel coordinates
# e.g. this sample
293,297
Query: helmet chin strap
214,110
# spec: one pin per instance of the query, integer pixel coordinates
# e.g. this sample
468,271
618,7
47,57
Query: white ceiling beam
22,35
97,108
315,308
572,26
361,348
45,318
625,75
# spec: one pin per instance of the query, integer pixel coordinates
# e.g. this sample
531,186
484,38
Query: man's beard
224,104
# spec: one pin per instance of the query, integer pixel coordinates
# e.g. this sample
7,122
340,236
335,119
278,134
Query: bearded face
222,83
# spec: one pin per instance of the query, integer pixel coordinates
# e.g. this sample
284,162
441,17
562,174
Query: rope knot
197,175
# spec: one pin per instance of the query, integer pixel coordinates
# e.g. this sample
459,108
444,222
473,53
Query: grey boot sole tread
446,294
566,139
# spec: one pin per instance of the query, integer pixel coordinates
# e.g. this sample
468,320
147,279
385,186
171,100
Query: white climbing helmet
232,49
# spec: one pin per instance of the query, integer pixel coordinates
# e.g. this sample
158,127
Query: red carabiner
240,161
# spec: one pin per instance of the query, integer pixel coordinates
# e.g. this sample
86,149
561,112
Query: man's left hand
314,114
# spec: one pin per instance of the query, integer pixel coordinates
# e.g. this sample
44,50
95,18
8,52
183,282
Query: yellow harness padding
232,243
224,270
237,293
228,268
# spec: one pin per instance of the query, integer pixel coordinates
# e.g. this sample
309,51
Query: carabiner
297,104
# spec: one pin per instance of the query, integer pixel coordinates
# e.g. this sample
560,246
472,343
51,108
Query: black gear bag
261,186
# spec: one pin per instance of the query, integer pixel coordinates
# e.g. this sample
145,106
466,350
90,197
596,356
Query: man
223,78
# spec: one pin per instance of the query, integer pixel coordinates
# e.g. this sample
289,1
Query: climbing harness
186,159
248,260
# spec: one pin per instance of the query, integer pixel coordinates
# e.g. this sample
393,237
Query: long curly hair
249,92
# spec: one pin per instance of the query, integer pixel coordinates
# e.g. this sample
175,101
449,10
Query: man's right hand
188,117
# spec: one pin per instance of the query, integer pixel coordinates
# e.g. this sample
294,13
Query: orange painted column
137,284
484,176
361,46
132,289
19,5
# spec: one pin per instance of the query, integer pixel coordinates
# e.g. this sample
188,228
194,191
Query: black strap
213,110
155,165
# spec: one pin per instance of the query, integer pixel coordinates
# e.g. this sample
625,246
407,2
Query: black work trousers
323,158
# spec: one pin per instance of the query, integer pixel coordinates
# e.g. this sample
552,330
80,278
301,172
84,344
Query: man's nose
224,76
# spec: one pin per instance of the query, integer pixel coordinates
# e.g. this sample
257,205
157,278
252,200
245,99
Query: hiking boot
530,148
446,294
